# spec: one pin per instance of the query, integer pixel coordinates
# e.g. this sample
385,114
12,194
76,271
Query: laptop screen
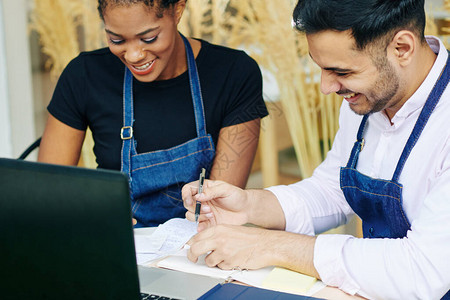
65,233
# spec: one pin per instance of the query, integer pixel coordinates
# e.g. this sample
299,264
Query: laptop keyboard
145,296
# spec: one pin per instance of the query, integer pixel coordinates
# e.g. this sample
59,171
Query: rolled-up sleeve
317,204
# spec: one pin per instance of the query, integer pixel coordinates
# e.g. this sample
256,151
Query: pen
200,190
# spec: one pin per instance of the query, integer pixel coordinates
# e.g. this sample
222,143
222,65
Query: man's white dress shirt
417,266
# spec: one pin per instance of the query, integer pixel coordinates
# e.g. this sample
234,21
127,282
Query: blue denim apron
156,178
378,202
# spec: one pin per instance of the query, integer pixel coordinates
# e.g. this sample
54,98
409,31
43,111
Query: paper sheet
167,239
180,262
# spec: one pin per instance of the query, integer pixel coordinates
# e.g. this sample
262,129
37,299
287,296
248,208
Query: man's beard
388,83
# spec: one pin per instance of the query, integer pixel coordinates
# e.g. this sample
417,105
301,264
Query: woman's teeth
143,67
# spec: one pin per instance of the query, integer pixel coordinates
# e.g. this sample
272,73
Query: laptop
66,233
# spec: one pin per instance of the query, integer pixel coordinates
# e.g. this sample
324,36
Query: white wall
16,62
5,129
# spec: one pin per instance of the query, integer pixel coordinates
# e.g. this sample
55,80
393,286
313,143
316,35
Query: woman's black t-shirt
90,93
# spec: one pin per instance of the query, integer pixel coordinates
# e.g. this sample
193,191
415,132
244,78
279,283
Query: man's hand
222,203
231,246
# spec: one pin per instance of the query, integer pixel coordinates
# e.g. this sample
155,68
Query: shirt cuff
296,214
329,262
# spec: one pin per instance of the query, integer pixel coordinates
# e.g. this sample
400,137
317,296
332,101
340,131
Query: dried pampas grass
446,27
264,29
57,29
206,19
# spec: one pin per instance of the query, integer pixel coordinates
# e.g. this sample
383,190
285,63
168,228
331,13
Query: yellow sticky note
284,280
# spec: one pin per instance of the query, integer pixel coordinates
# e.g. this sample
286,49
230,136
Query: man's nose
328,83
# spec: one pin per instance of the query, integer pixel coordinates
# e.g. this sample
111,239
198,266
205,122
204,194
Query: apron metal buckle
130,132
362,144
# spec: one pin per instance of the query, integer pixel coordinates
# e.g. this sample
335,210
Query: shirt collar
418,99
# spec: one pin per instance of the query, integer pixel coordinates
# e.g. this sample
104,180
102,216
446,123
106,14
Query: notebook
66,233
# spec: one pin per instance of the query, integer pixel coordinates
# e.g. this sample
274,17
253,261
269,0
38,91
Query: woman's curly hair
161,5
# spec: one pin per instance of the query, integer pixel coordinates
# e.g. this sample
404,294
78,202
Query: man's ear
403,46
179,9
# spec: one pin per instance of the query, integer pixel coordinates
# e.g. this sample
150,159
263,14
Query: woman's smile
143,69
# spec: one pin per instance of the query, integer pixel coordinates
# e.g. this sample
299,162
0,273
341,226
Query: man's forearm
265,210
284,249
291,251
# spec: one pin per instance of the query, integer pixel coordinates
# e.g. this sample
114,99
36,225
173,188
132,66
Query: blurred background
39,37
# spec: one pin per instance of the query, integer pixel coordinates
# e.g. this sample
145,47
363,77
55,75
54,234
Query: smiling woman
132,32
160,106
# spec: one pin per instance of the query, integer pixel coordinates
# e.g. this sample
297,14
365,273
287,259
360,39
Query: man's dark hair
368,20
161,5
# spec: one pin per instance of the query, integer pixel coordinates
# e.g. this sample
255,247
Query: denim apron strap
359,144
195,90
126,133
425,114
